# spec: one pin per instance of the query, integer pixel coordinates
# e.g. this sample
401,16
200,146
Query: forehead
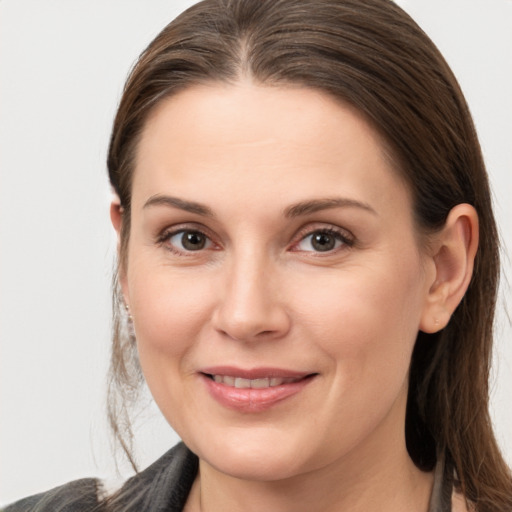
245,114
275,141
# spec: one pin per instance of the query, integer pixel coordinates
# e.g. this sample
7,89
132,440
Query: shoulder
77,496
164,485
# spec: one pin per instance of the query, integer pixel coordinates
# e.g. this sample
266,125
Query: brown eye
323,241
189,241
193,241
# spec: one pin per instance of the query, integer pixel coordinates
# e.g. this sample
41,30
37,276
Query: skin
260,294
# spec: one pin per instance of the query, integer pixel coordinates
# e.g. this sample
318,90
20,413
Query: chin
259,458
263,467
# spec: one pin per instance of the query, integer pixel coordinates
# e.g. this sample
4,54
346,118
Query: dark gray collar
441,497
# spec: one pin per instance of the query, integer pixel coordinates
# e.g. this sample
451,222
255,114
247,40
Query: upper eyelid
186,226
326,227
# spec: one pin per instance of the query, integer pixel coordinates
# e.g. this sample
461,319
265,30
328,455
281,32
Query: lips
253,390
241,383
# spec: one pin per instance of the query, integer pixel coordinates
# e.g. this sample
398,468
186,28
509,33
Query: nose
251,305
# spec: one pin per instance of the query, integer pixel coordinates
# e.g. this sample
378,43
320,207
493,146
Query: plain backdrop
62,68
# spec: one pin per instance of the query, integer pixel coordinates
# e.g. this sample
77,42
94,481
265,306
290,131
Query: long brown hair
372,55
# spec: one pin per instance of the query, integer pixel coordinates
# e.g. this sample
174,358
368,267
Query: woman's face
275,279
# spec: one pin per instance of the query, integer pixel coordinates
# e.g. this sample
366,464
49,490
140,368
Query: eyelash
340,235
345,238
165,237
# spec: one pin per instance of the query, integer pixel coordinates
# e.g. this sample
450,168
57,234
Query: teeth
260,383
239,382
229,381
242,383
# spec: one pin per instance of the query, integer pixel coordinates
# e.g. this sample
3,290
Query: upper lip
254,373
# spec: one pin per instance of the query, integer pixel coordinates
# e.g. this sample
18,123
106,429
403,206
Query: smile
241,383
253,391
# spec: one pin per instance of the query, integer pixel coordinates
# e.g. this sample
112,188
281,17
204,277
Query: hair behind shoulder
372,55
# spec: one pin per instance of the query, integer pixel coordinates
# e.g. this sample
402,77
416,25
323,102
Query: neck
377,477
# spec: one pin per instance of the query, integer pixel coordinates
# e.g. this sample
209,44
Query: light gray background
62,67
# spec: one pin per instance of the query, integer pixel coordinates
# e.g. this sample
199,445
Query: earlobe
116,216
453,257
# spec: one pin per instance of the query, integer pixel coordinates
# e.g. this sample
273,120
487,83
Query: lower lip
253,399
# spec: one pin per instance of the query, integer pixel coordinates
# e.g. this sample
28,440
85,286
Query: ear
454,251
116,216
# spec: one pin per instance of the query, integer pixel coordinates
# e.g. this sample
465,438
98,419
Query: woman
301,199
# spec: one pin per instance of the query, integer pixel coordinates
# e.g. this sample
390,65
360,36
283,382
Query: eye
187,240
323,240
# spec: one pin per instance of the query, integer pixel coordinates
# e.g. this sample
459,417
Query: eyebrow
181,204
295,210
316,205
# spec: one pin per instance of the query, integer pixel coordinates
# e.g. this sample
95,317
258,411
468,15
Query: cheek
169,310
366,319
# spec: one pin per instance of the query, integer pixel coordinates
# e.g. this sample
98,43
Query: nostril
249,319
